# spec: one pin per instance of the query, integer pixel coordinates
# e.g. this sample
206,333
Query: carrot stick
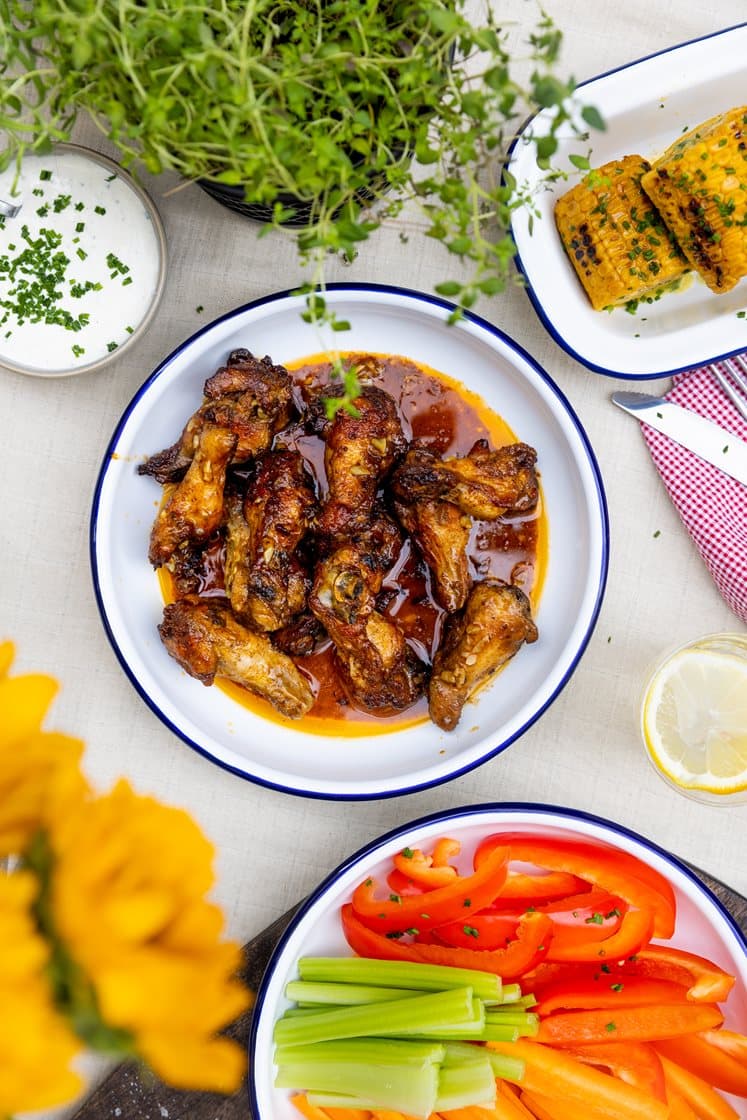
628,1024
553,1108
707,1060
679,1109
702,1098
553,1074
510,1098
355,1114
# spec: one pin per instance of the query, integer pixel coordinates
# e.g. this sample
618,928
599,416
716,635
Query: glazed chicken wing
492,627
359,452
265,582
441,532
249,396
195,509
378,668
483,483
207,641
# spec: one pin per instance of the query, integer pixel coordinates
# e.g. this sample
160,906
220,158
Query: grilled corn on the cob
700,186
614,236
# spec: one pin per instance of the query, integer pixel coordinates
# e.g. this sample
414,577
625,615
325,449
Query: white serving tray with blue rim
646,105
285,755
703,925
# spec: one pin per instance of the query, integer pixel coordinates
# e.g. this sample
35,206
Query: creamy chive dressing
79,265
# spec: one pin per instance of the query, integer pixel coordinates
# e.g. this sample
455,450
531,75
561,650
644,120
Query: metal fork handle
737,400
9,209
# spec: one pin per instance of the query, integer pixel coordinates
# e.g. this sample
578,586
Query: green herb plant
338,112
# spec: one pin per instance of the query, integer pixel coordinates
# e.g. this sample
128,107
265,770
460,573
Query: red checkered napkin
712,506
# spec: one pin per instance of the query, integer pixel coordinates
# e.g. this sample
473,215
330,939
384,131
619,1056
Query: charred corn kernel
700,186
614,236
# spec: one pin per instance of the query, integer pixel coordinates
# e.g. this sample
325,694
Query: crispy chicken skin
301,637
483,483
494,624
207,641
249,396
441,532
378,668
359,452
195,509
265,582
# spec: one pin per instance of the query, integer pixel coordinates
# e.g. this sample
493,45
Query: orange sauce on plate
449,418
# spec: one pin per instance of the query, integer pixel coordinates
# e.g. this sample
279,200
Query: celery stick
401,974
417,1013
492,1033
343,995
510,1069
420,1103
470,1029
526,1021
465,1083
511,993
386,1051
525,1001
399,1088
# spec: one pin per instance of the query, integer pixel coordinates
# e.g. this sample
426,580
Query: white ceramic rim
155,217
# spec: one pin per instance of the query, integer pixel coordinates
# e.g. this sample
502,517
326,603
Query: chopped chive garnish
126,281
78,350
99,209
79,206
129,329
111,346
80,227
110,177
45,175
81,253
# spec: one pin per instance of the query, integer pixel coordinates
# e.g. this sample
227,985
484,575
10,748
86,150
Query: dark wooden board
126,1095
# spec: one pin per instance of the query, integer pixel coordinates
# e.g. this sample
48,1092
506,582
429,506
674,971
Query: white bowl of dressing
82,264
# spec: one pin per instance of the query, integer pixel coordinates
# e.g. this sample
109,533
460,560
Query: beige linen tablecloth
585,752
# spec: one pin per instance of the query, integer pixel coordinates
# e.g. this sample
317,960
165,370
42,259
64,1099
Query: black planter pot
234,199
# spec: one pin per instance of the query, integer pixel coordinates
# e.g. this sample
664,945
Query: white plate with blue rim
703,926
646,105
285,755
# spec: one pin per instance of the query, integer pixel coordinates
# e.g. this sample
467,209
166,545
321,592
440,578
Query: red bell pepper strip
464,895
635,1063
702,1097
629,1024
592,899
706,982
509,963
481,931
635,931
432,871
698,1055
536,889
366,943
403,885
605,991
618,872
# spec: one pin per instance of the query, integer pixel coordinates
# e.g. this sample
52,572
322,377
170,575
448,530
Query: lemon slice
695,720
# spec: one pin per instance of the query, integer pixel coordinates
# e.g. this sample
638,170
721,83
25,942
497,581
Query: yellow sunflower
36,1044
39,770
128,904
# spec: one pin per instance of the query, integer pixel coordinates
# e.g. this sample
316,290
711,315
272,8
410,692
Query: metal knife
705,439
